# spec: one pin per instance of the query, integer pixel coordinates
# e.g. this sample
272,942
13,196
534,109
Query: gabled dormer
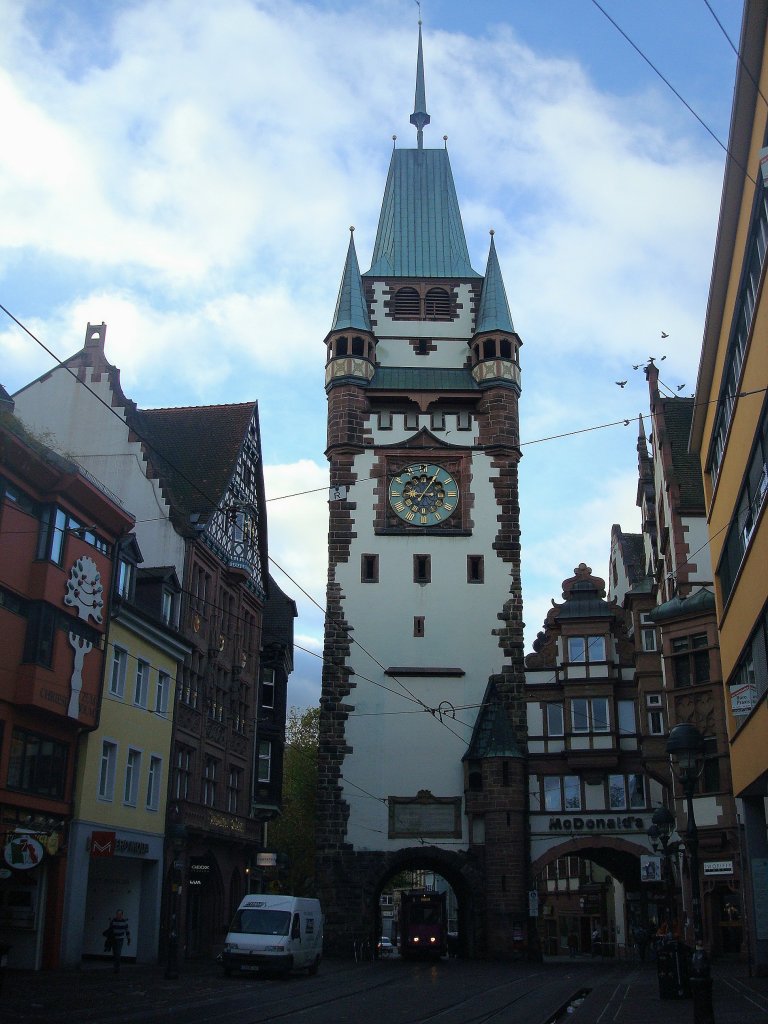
350,344
495,346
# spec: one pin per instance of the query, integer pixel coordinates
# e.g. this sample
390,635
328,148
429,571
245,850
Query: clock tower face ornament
423,494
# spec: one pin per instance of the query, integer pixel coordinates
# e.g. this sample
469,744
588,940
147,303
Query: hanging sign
23,852
718,867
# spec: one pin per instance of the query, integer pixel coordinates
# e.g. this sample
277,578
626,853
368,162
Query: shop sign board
718,867
23,852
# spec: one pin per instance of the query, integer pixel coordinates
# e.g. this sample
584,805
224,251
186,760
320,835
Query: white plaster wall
403,749
697,536
68,418
450,353
461,327
451,433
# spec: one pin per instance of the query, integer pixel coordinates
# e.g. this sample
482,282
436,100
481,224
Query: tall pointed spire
493,314
420,118
351,307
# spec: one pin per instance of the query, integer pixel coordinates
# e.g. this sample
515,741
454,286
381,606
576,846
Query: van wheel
315,967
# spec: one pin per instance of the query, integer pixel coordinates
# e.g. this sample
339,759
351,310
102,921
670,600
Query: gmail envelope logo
103,844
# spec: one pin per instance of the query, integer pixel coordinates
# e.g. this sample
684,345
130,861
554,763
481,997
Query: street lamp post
685,747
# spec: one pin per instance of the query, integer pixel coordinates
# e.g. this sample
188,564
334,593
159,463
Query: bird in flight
664,334
680,387
621,383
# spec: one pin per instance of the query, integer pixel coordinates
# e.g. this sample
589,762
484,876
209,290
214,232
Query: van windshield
250,921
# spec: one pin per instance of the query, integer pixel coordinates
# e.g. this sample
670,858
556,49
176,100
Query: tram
423,925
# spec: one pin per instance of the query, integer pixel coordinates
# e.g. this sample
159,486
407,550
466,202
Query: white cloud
187,173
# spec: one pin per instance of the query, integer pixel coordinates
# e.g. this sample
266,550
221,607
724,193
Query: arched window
341,346
407,304
437,304
505,349
358,347
489,348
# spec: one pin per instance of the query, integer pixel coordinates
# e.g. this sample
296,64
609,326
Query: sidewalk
631,996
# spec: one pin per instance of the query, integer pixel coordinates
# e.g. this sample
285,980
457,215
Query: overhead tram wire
214,504
432,711
672,89
736,51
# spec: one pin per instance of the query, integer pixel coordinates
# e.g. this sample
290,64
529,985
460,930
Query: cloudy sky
187,173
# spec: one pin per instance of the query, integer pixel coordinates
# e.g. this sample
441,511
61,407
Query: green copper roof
493,314
492,735
351,307
420,233
422,378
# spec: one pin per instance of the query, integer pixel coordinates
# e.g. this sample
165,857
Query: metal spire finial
420,118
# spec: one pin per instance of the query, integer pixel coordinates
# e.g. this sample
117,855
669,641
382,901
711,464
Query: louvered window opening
437,304
407,304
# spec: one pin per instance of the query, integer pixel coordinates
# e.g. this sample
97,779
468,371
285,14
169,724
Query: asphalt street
585,991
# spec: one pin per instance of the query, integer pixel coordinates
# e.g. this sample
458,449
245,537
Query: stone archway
351,902
592,908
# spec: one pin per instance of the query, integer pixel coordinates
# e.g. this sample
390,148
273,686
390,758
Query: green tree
293,834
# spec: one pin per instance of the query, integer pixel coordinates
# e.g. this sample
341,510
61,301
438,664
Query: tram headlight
415,938
432,938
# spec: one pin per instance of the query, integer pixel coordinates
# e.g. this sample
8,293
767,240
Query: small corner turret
495,346
350,344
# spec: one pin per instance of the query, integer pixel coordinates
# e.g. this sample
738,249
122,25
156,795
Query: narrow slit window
369,568
475,569
418,625
422,569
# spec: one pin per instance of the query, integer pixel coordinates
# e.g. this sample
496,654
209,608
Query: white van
274,933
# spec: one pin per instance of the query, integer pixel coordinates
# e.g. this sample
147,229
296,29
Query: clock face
423,494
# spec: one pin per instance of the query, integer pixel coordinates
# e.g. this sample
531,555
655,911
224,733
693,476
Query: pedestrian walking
120,933
597,945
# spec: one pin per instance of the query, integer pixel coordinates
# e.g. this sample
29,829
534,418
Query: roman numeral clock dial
423,494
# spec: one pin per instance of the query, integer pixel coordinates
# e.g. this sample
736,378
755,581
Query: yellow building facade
117,835
730,435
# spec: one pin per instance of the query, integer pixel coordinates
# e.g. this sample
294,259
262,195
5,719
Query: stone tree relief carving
84,593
